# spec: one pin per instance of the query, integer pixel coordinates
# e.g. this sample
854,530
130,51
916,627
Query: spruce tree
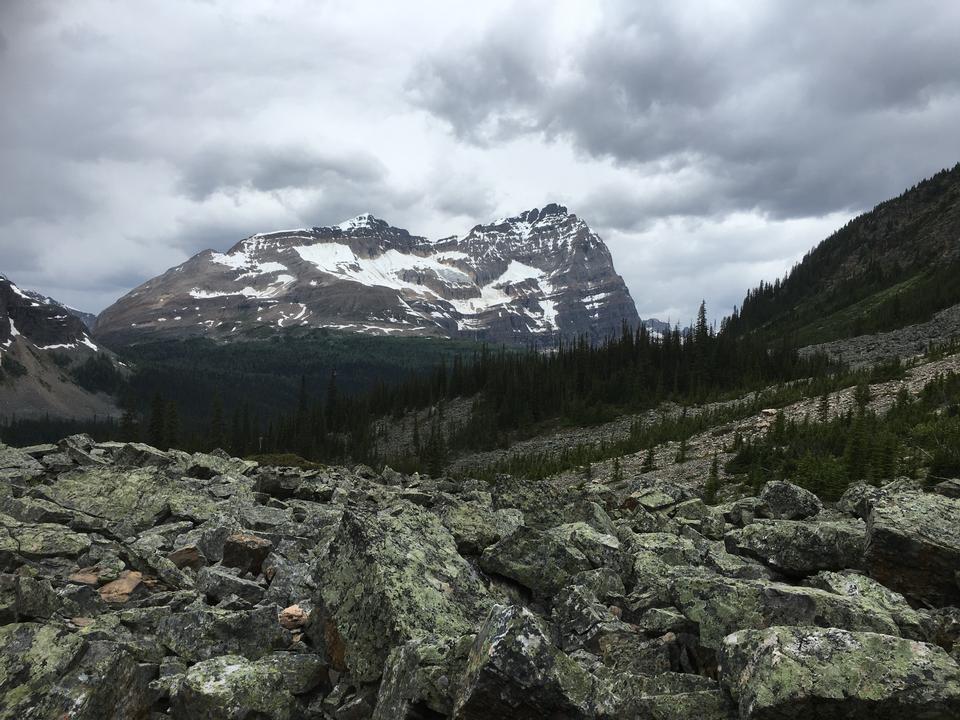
171,425
155,430
713,482
648,461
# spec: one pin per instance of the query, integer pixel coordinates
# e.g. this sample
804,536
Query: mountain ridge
529,278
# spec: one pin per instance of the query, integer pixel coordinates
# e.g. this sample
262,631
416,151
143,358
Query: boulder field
142,584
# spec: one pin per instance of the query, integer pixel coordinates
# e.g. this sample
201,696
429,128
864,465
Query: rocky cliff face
529,279
28,317
41,340
136,583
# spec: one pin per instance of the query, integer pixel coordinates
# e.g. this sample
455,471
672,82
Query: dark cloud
790,110
267,168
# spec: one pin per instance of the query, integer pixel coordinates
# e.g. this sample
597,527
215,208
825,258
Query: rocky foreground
146,584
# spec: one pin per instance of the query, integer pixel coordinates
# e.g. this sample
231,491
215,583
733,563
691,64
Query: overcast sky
709,143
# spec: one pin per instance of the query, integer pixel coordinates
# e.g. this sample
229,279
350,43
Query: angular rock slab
785,501
798,548
230,686
811,673
514,671
390,577
913,546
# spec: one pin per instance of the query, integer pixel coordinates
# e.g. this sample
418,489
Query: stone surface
389,577
812,673
783,500
515,671
913,546
798,548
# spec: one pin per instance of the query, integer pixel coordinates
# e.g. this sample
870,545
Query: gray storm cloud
710,143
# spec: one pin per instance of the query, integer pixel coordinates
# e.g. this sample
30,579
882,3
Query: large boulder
783,500
388,577
721,606
809,673
201,632
912,624
913,546
20,542
514,671
539,560
798,548
230,686
49,673
420,678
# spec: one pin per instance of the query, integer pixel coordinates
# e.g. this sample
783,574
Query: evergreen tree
216,432
681,456
128,426
156,429
171,425
648,461
617,471
823,410
713,482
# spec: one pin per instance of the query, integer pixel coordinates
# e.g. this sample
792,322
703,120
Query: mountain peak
364,221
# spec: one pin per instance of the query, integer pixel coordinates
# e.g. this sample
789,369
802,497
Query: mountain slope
889,268
42,350
529,278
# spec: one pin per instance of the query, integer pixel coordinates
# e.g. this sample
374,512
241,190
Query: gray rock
810,672
535,559
798,548
201,632
218,584
913,546
514,671
783,500
387,578
231,686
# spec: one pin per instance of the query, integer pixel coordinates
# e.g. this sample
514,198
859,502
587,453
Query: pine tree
823,410
216,432
713,482
648,461
617,471
171,425
861,396
681,456
128,426
155,431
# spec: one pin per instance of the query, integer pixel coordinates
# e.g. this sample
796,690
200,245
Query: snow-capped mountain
529,278
42,323
42,344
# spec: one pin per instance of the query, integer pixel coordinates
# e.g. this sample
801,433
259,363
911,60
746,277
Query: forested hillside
891,267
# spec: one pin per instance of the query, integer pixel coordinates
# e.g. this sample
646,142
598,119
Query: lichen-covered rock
601,549
582,620
217,583
535,559
798,548
912,624
420,678
514,671
707,520
667,696
721,606
783,500
913,546
810,673
129,500
475,526
231,687
392,576
37,541
200,632
49,673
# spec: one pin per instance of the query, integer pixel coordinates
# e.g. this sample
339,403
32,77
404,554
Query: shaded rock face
38,320
913,546
531,278
136,583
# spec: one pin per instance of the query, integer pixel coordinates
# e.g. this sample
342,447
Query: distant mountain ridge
530,278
